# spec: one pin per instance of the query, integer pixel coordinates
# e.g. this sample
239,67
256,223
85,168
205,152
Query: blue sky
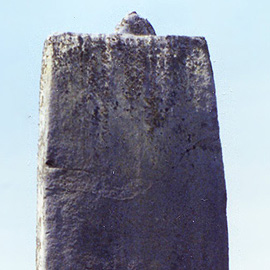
238,36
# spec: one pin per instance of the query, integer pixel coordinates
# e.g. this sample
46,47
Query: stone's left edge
45,89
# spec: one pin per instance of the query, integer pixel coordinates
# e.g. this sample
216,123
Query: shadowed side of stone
130,163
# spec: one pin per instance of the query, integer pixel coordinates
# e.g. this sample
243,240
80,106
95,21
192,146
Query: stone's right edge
206,189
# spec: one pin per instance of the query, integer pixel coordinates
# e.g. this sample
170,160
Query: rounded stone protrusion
135,25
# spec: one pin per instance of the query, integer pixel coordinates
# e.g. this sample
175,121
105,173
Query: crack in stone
66,189
49,165
194,145
120,194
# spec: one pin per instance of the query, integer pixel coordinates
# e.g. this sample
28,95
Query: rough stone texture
130,164
134,24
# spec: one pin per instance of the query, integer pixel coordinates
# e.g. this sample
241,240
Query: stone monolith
130,173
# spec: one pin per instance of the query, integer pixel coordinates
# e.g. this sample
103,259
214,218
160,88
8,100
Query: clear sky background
238,35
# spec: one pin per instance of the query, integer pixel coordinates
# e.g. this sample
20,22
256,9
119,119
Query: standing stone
130,173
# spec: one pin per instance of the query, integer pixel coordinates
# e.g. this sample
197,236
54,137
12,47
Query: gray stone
130,172
134,24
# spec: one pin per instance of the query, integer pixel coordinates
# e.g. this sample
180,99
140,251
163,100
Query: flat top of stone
133,24
70,39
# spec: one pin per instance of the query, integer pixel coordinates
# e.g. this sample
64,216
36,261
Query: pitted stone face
135,25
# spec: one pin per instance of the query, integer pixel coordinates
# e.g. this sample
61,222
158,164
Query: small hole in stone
49,163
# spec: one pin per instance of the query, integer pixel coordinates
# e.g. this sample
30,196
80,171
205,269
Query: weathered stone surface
134,24
130,164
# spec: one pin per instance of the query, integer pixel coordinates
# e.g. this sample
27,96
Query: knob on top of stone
135,25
